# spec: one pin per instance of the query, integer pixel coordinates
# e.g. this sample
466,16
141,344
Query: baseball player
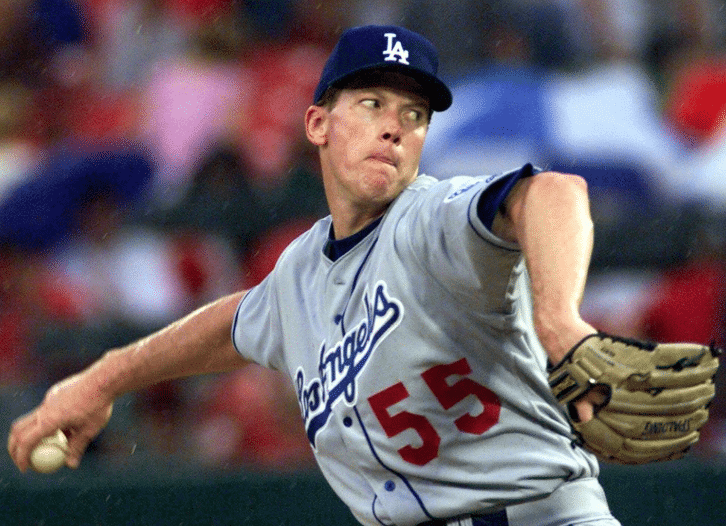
417,322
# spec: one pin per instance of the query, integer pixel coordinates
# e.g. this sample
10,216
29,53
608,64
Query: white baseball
50,454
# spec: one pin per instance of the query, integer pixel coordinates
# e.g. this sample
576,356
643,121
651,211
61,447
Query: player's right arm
80,405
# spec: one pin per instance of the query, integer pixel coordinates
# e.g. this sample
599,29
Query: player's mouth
386,159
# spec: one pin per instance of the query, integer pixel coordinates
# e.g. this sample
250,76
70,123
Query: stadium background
152,158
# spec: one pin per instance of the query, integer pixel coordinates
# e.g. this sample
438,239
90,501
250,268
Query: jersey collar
337,248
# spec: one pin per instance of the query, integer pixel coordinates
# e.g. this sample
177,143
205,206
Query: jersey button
389,485
347,421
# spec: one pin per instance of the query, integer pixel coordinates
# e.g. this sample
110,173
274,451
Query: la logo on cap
392,51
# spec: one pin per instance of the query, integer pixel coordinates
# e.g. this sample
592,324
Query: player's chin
378,187
384,184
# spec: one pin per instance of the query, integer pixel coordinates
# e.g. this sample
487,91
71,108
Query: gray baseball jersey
421,383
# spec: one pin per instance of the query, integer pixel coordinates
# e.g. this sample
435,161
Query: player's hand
73,405
588,404
557,335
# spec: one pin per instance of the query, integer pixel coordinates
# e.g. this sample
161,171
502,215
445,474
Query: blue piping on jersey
399,475
373,510
341,317
234,323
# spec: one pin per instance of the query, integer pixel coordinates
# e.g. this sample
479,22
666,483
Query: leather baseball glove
656,396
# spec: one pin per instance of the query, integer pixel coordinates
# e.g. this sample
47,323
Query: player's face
373,141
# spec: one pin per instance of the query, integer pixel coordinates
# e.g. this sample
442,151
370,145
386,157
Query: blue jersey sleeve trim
492,199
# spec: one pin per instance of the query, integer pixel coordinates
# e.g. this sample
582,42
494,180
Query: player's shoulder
301,247
427,187
452,188
318,231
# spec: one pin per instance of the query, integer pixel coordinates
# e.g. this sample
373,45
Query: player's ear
316,125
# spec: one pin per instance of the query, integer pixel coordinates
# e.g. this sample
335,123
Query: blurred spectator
706,169
299,194
468,33
122,273
696,103
680,27
18,154
602,122
251,419
687,57
32,32
128,272
688,303
692,64
130,37
19,304
39,212
121,279
269,130
605,124
222,201
219,201
605,121
187,104
496,122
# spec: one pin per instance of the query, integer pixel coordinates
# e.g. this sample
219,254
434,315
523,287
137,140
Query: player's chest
355,306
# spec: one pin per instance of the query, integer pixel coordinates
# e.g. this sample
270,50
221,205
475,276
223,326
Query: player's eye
371,103
414,115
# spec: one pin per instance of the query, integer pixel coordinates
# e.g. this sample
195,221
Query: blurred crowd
153,158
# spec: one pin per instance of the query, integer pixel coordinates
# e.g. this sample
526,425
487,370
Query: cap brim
437,93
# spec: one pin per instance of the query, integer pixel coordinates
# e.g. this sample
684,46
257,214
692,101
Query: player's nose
391,127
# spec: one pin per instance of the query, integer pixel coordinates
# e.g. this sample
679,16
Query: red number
399,422
450,395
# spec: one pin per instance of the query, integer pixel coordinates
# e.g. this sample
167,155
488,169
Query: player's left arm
548,215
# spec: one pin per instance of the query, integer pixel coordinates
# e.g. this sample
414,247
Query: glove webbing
577,379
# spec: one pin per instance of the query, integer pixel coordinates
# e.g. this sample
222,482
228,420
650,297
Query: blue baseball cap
369,48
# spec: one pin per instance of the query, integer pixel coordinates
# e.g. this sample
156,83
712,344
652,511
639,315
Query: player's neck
350,215
345,225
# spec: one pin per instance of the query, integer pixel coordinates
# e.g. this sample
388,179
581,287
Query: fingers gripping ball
657,396
50,454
